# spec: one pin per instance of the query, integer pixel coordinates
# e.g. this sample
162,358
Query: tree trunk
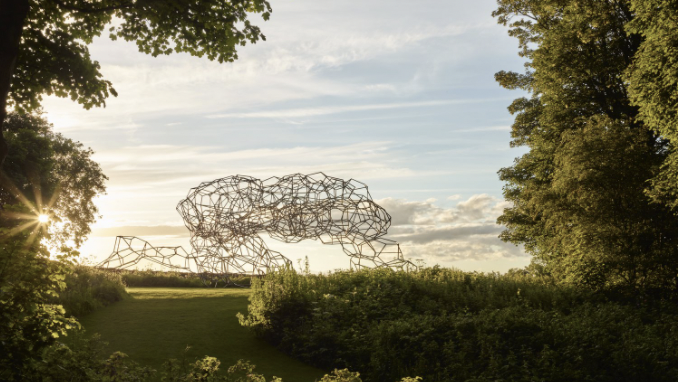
12,17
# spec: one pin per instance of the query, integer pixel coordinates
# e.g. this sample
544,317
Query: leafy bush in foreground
448,325
28,281
85,361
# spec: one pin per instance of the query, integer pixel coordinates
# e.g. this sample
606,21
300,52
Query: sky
397,94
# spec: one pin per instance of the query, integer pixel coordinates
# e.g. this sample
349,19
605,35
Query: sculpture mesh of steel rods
226,216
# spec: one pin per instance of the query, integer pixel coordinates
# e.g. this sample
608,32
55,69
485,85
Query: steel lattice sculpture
226,217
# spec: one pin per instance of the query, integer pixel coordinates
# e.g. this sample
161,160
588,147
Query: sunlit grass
158,324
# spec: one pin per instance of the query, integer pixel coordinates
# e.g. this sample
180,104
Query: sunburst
39,218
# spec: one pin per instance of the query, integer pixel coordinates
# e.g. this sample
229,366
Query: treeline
449,325
173,279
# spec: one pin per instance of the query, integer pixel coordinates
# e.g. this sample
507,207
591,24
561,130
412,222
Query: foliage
149,278
28,281
341,376
44,43
85,360
652,79
56,34
172,279
207,370
448,325
579,205
45,174
88,289
52,175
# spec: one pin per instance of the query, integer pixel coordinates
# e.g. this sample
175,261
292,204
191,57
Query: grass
157,324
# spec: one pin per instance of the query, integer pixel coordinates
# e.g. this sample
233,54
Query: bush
448,325
88,289
84,361
28,321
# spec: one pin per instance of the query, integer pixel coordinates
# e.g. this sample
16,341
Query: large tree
653,85
43,43
579,196
50,175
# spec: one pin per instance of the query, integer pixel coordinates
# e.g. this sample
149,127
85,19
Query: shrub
88,289
84,361
28,321
448,325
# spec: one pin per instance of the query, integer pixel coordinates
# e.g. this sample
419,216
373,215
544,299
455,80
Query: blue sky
397,94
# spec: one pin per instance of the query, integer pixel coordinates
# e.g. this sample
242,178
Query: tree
653,85
43,43
579,205
45,174
50,175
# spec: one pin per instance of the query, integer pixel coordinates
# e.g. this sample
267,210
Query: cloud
465,231
477,208
449,233
479,249
141,231
153,166
308,112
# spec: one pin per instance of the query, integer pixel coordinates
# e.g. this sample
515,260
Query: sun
42,218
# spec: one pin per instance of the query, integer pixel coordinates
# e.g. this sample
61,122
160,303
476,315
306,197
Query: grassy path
158,324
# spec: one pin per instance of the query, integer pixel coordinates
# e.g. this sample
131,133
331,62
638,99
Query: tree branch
67,7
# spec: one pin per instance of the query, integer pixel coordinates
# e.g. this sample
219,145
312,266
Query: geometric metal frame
227,216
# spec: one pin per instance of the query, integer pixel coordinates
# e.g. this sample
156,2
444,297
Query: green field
158,323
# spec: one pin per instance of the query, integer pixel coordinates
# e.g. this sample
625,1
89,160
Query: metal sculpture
227,215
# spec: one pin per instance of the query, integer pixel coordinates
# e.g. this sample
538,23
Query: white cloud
478,249
308,112
478,208
141,231
465,232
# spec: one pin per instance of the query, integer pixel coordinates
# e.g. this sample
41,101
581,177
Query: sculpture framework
226,216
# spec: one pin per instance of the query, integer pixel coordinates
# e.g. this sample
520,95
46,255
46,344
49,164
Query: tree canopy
653,85
51,175
580,195
43,44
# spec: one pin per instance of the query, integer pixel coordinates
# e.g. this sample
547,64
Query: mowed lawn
157,324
